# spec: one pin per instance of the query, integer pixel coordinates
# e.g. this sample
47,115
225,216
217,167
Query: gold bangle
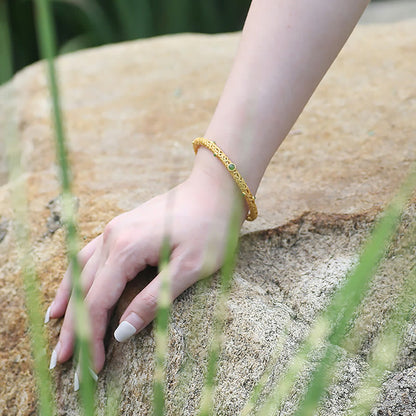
231,167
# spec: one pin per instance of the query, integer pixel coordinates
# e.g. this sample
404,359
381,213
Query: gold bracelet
250,199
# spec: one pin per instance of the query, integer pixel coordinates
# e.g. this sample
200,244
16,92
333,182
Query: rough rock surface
131,111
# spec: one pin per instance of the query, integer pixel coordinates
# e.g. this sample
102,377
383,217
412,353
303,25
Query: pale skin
285,50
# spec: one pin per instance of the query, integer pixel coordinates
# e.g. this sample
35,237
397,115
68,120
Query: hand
195,215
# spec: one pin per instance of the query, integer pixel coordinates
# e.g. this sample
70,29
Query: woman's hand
283,54
195,216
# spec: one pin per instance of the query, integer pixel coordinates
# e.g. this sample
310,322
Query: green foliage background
86,23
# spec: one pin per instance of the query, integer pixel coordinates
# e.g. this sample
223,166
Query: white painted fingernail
93,374
47,314
124,331
54,356
76,381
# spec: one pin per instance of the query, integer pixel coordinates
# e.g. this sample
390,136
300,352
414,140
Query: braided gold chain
231,167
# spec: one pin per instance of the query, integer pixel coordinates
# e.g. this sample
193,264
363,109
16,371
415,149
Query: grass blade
46,37
346,301
31,284
161,331
208,390
297,365
258,388
333,323
96,22
79,42
113,394
385,351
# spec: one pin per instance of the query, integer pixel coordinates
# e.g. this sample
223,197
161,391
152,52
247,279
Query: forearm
286,48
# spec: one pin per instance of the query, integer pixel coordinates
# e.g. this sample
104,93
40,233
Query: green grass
46,35
388,343
31,285
88,23
214,351
161,331
257,391
346,301
332,325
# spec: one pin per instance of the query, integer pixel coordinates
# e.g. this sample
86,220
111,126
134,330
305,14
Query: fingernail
93,375
54,356
52,363
76,381
124,331
48,314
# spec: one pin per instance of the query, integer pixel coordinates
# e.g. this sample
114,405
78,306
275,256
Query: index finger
63,294
104,293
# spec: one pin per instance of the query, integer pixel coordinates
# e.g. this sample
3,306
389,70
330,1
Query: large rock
131,111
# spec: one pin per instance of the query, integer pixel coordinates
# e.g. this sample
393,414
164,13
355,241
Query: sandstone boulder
131,111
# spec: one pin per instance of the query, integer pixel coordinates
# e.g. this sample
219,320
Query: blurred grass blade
77,43
161,331
258,388
113,395
6,61
33,298
334,321
135,17
298,363
385,351
198,316
348,298
97,23
46,37
208,390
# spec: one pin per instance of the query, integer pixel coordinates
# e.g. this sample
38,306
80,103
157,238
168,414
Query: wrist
209,172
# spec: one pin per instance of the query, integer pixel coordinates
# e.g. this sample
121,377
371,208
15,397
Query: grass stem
208,390
162,332
332,326
46,37
46,405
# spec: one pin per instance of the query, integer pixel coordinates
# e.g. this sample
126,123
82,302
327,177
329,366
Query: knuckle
190,265
121,243
110,229
96,309
149,301
64,288
82,257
